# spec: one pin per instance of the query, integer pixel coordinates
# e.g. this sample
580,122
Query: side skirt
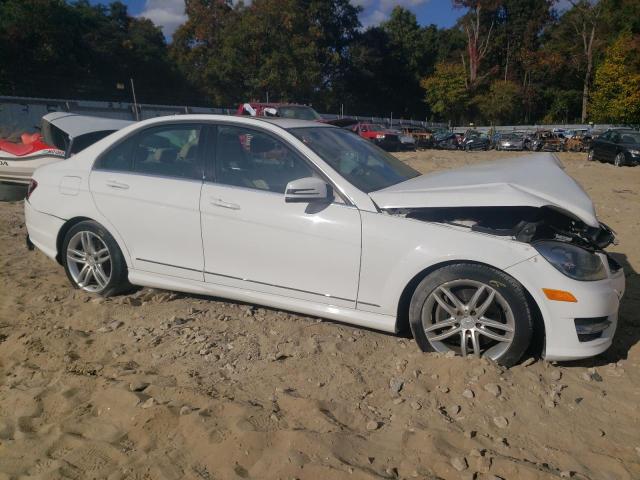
376,321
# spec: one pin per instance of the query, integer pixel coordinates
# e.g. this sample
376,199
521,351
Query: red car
282,110
384,137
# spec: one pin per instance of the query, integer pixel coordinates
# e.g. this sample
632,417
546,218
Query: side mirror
309,189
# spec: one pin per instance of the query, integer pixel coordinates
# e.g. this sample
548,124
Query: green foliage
530,63
616,94
501,104
446,91
58,49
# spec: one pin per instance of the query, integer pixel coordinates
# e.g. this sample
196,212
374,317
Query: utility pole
135,102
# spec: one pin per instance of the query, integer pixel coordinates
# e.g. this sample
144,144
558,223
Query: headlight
635,153
574,262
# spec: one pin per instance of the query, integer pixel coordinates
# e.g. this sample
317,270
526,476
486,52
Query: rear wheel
93,261
471,309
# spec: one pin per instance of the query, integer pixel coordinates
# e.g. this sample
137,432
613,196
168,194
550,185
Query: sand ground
157,385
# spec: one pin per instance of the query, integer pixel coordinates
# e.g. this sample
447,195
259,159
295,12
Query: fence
20,114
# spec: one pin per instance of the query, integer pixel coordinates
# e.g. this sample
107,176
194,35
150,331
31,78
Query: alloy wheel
619,160
468,317
89,261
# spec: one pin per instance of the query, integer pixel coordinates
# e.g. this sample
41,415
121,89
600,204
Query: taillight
32,186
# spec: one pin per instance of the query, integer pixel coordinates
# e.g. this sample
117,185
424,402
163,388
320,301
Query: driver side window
253,159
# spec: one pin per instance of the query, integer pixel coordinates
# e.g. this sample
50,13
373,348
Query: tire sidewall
506,285
118,280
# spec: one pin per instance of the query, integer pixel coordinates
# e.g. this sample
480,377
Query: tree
501,104
585,20
446,91
616,93
478,35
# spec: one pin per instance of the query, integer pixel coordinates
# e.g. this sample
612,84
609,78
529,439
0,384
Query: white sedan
311,218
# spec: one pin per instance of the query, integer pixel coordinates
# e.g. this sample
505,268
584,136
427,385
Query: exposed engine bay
524,224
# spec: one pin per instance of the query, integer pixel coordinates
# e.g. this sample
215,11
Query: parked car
446,140
283,110
577,141
474,140
620,146
423,138
61,135
386,138
511,141
546,141
313,219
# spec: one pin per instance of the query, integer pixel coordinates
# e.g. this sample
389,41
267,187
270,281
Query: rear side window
170,151
118,159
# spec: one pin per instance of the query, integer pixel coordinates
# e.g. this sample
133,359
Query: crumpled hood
534,181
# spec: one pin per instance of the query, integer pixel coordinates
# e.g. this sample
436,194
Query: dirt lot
158,385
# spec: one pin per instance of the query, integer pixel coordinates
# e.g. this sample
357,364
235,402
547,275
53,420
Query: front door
148,187
253,240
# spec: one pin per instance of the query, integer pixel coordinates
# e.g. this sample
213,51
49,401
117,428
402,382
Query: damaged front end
523,224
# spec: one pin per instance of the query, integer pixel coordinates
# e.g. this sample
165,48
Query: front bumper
597,306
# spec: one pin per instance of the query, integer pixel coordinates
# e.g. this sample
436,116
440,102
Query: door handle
118,185
218,202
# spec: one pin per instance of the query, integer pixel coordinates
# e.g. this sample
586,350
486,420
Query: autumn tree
478,34
616,89
446,91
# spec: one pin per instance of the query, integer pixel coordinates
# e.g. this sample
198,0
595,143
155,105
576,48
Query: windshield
630,136
364,165
299,112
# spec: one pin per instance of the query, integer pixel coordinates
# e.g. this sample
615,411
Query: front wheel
93,261
471,309
619,160
590,156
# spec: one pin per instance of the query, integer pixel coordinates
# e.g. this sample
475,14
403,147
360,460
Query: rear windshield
55,137
88,139
298,112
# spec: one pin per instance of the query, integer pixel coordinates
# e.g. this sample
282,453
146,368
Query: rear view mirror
309,189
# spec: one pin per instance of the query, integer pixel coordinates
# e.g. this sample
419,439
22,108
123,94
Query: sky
170,13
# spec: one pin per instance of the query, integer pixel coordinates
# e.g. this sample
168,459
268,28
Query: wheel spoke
493,336
448,308
86,242
455,300
445,335
102,255
463,342
475,341
100,276
486,304
76,256
445,323
493,324
84,275
476,296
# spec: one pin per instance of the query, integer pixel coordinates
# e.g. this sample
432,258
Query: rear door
148,187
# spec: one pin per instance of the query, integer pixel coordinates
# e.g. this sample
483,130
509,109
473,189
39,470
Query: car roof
286,123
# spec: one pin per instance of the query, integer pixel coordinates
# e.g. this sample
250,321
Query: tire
618,161
503,335
590,157
93,261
